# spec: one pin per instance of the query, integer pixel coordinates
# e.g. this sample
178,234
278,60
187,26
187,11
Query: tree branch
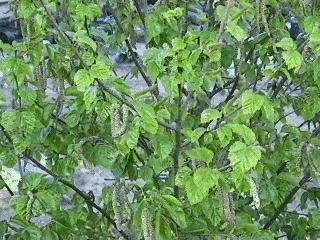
6,186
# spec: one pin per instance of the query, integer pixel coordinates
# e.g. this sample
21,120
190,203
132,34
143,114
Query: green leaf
162,226
3,229
90,97
287,44
131,137
83,38
194,135
201,154
244,132
244,157
236,31
206,177
175,209
103,155
209,115
27,95
293,59
50,235
251,102
225,135
198,187
48,199
83,80
178,44
148,116
182,175
73,119
194,193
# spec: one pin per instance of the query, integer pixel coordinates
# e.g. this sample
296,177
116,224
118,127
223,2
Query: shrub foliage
212,148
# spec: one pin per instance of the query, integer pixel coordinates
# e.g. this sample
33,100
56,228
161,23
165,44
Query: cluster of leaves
216,153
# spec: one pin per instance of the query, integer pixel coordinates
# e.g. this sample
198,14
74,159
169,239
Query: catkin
254,193
119,120
147,224
264,17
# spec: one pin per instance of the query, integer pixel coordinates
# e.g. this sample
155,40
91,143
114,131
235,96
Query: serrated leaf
244,132
225,135
175,209
182,175
197,188
244,157
148,116
90,97
194,193
83,80
209,115
293,59
236,31
286,44
206,177
131,137
73,119
251,102
83,38
201,154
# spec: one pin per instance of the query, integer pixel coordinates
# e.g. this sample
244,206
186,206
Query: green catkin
254,193
147,224
116,205
264,17
119,120
258,15
228,208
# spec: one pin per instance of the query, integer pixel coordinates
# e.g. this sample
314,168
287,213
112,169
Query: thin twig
134,56
6,186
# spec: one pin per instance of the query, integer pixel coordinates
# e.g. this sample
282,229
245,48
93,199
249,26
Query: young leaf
209,115
201,154
244,157
293,59
251,102
83,79
244,132
148,116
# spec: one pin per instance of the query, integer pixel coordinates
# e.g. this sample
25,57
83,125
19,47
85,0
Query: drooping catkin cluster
147,224
120,204
254,193
119,120
122,209
228,207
